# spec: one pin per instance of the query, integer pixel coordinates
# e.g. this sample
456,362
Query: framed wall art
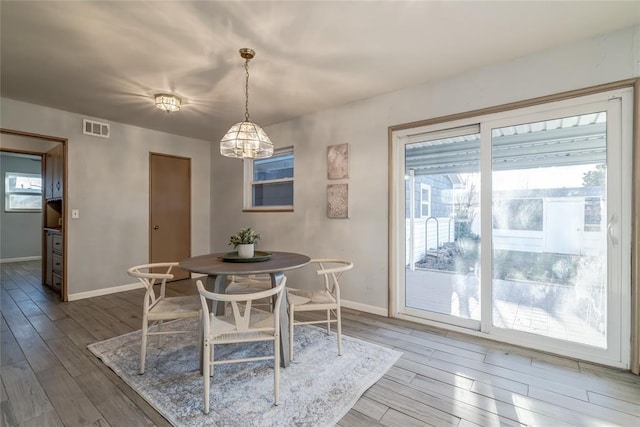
338,161
338,200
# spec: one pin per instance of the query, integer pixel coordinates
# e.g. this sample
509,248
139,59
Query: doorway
528,236
169,210
52,214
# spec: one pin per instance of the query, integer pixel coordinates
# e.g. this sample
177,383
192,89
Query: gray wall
364,237
20,232
108,181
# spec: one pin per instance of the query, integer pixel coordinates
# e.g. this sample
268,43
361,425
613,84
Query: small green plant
245,236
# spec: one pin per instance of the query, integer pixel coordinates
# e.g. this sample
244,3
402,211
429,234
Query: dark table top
213,264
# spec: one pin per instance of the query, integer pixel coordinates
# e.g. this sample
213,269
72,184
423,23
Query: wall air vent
91,127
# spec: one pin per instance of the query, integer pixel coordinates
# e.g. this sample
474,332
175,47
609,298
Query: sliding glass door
518,226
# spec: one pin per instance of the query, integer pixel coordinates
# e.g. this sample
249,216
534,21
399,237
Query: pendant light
246,140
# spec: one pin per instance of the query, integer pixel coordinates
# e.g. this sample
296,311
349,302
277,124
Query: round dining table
218,266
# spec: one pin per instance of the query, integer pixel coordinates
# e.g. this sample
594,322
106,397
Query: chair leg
291,318
328,322
276,371
205,375
212,359
143,345
339,330
200,340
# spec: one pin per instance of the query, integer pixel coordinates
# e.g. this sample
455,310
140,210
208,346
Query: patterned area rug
318,389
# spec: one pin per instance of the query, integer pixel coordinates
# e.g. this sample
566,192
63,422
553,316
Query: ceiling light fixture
167,102
246,140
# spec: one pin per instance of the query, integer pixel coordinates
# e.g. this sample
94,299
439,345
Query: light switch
75,213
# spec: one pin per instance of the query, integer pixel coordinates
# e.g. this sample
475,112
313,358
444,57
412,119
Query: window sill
268,210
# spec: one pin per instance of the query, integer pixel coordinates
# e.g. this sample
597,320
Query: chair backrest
144,273
331,269
242,318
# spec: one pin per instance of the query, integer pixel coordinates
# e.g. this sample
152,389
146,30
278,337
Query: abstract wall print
338,200
338,161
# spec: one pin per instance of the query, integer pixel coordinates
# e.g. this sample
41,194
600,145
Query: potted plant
244,241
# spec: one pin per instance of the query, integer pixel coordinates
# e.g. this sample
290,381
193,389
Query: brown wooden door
170,209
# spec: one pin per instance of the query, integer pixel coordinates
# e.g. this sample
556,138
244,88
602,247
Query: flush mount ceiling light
246,140
167,102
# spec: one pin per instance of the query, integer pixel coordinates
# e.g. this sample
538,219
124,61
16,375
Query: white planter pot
245,251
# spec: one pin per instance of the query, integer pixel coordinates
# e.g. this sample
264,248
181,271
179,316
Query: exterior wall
364,238
108,181
21,235
441,191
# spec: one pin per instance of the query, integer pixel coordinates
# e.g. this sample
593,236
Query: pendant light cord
246,90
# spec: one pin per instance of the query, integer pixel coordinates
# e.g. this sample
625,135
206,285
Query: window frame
249,183
8,193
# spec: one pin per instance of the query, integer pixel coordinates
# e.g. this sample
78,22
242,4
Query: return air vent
91,127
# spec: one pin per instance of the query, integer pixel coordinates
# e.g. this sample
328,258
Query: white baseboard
26,258
366,308
104,291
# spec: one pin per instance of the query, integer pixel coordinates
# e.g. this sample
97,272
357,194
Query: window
23,192
592,213
425,200
269,182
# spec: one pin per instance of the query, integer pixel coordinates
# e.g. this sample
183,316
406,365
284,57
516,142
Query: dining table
217,266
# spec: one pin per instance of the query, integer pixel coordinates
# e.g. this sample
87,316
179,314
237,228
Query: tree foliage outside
595,178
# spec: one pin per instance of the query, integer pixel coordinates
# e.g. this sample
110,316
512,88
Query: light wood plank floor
49,378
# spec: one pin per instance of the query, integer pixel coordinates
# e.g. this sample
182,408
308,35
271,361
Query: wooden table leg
284,321
217,284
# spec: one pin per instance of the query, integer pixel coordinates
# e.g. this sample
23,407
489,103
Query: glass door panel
442,225
549,241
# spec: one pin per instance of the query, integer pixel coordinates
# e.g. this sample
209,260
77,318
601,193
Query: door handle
155,227
612,237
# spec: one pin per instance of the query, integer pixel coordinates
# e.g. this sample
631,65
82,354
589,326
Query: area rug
317,389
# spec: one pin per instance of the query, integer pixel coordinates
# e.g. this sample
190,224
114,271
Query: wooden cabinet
54,267
48,175
48,259
54,173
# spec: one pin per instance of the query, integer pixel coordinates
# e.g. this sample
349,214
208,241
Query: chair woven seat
177,307
300,297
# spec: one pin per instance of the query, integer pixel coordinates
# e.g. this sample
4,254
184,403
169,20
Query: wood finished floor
49,378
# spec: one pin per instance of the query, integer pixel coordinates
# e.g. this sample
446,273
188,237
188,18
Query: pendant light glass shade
246,140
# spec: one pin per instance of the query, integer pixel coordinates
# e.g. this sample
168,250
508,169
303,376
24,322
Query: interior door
170,209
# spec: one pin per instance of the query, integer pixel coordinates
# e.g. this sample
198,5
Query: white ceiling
106,59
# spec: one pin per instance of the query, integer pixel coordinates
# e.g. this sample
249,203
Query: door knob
155,227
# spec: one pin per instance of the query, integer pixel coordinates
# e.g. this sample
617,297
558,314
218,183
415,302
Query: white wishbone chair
244,325
326,299
157,307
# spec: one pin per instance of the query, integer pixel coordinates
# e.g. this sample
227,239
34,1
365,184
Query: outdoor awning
562,142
